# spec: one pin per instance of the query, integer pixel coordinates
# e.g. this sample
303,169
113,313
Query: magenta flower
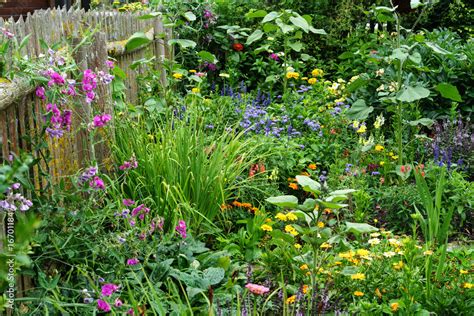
109,289
101,120
181,228
41,93
274,56
130,312
103,306
132,261
110,64
132,164
89,80
97,183
128,202
257,289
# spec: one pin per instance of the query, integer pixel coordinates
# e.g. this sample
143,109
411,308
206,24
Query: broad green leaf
359,110
308,184
437,49
360,228
415,57
400,54
305,57
332,205
270,17
288,201
415,4
255,36
300,22
308,205
136,40
317,31
262,49
411,94
423,121
256,14
449,91
342,192
269,27
356,84
206,56
296,46
183,43
214,275
189,16
285,28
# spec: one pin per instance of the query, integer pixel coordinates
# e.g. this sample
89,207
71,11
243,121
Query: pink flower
101,120
130,312
110,64
89,80
132,164
103,306
97,183
274,56
40,93
118,303
257,289
181,228
133,261
109,289
128,202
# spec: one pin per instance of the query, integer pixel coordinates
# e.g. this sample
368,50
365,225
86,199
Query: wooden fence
21,111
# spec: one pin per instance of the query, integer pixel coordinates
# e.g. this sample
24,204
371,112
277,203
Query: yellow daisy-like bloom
282,217
467,285
358,293
362,252
428,252
290,229
297,246
192,71
399,265
177,75
325,245
317,73
312,166
266,227
312,81
382,163
195,90
394,306
374,235
373,241
362,129
305,289
463,271
292,74
291,216
358,276
304,78
395,157
304,267
347,255
291,299
379,148
321,225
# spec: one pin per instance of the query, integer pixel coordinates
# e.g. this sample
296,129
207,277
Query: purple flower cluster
59,121
89,83
132,164
101,120
54,78
181,228
139,212
87,175
7,33
15,201
209,18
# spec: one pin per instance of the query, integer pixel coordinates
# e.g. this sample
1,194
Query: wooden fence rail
21,111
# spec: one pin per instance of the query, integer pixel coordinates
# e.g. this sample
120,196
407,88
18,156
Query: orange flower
305,289
294,186
291,299
358,293
312,166
236,204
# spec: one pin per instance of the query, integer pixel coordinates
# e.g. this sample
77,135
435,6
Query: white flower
380,72
374,241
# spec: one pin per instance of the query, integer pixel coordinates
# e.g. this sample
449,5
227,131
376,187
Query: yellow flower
304,78
467,285
304,267
292,74
362,129
382,163
312,81
355,124
394,306
281,217
325,245
291,216
374,235
291,299
362,252
463,271
374,241
358,276
321,225
377,293
224,75
358,293
195,90
305,289
395,157
395,243
428,252
312,166
266,227
317,73
177,75
379,148
192,71
398,266
290,229
347,255
297,246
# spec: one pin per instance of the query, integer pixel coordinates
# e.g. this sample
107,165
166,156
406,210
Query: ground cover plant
266,177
